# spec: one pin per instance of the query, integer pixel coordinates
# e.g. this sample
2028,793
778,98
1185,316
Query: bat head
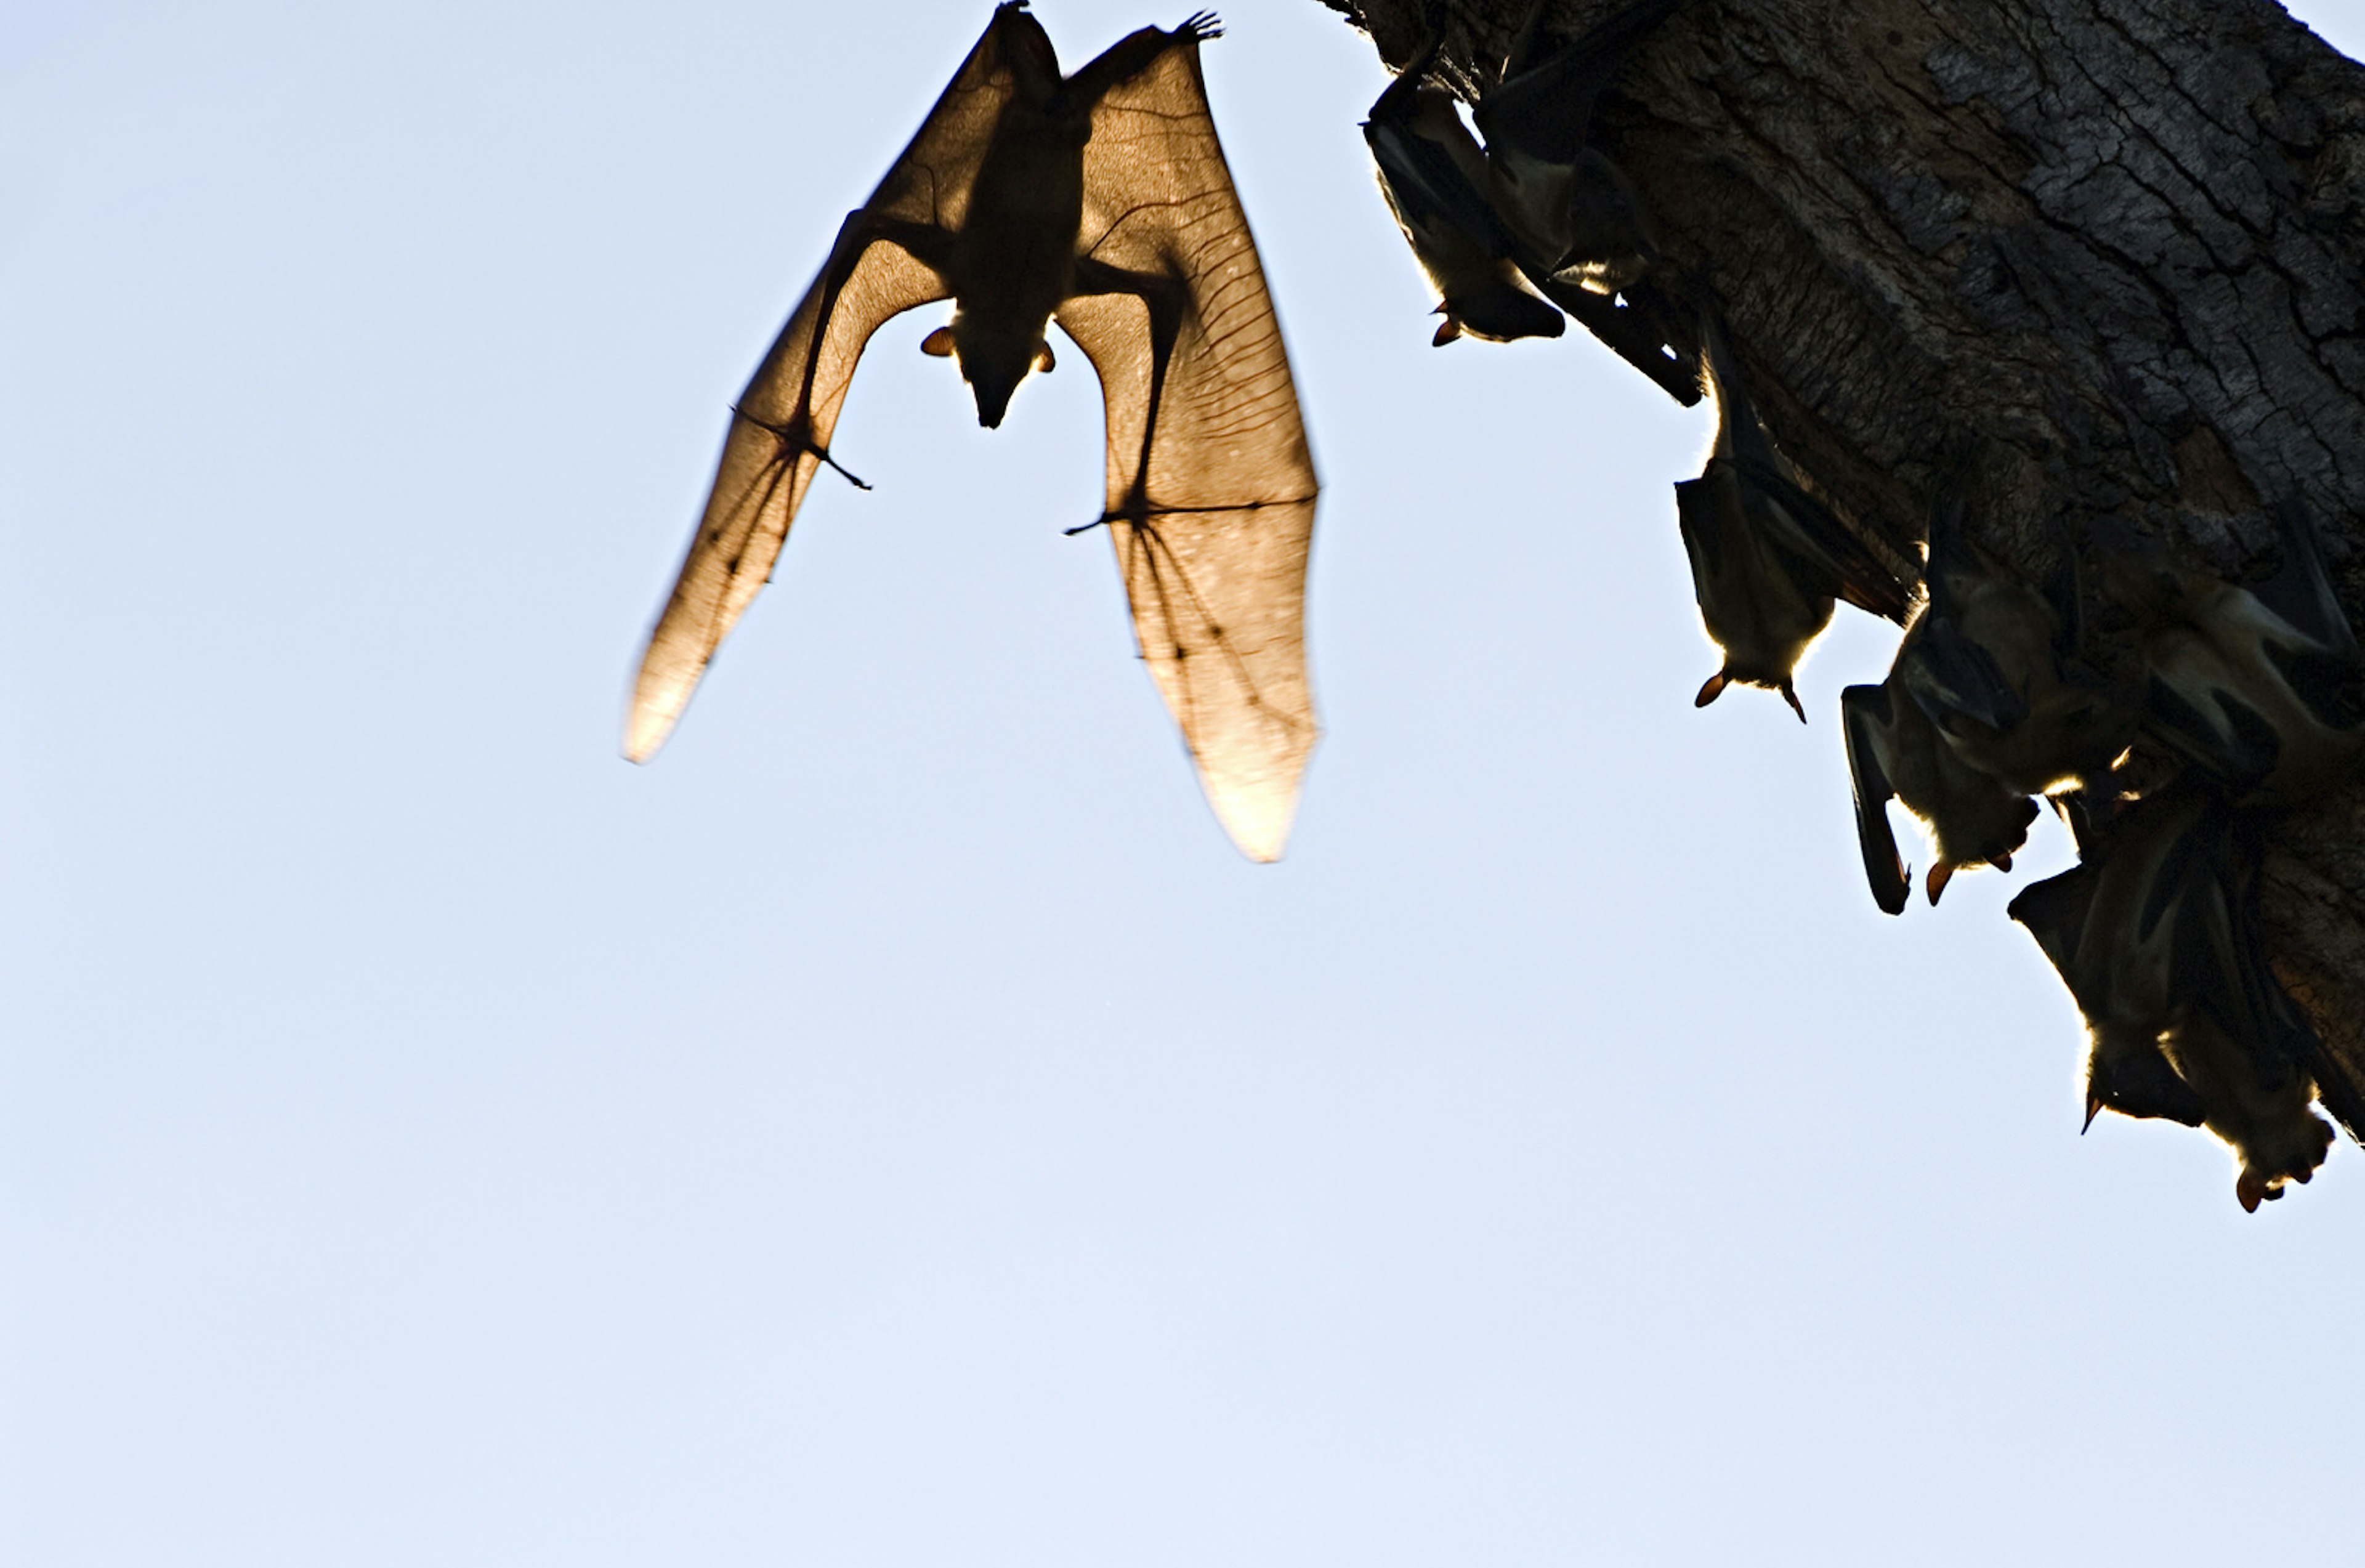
994,360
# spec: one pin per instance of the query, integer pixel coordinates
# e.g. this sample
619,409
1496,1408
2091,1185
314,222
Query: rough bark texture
2112,246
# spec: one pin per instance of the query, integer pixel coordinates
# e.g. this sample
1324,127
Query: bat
1100,201
2155,933
1447,198
1435,177
2262,689
1767,559
1581,216
1896,754
1998,666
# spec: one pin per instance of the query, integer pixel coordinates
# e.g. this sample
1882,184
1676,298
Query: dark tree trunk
2113,247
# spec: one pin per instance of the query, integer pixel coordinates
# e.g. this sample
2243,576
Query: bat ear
939,343
1711,690
1940,873
1447,331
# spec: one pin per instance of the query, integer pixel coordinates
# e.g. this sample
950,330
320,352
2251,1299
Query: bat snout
993,365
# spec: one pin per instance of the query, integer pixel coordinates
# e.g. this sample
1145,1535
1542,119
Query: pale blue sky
896,1127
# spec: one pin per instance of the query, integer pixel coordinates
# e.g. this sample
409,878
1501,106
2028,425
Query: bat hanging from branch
1100,201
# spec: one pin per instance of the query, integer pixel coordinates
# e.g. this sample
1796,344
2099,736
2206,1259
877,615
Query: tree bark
2112,246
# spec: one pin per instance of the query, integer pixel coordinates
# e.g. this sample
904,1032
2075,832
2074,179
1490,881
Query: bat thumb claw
1792,698
1711,690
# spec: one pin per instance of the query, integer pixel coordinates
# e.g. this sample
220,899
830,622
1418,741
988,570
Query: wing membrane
783,421
1212,511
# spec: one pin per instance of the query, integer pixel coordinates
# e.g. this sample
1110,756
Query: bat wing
1211,488
782,423
1826,551
1865,717
1631,330
2326,672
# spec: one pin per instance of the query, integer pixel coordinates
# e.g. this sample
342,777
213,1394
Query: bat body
2155,934
1769,561
1434,175
1100,200
1995,665
1895,753
2262,689
1581,216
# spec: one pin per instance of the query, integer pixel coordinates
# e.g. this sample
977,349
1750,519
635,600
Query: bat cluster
1100,201
2163,712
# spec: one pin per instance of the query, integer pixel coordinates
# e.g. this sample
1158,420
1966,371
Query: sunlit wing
790,406
1215,565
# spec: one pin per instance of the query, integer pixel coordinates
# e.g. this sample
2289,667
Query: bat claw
1792,698
1710,690
851,478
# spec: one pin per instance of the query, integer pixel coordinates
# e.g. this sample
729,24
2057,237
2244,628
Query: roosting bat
1100,200
2155,935
2260,690
1434,176
1767,559
1895,753
1448,197
1998,666
1582,217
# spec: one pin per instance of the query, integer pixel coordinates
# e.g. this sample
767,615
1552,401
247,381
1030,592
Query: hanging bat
2155,933
1767,559
1434,176
2260,690
1999,667
1100,200
1581,216
1895,753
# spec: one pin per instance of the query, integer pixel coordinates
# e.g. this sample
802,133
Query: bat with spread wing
1100,200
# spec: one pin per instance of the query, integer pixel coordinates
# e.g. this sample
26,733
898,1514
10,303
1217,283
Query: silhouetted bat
1448,199
1895,753
1997,666
2262,689
1102,201
1581,216
1435,176
1767,559
2155,934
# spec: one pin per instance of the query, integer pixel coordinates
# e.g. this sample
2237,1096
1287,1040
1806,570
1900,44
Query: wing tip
1257,813
646,729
